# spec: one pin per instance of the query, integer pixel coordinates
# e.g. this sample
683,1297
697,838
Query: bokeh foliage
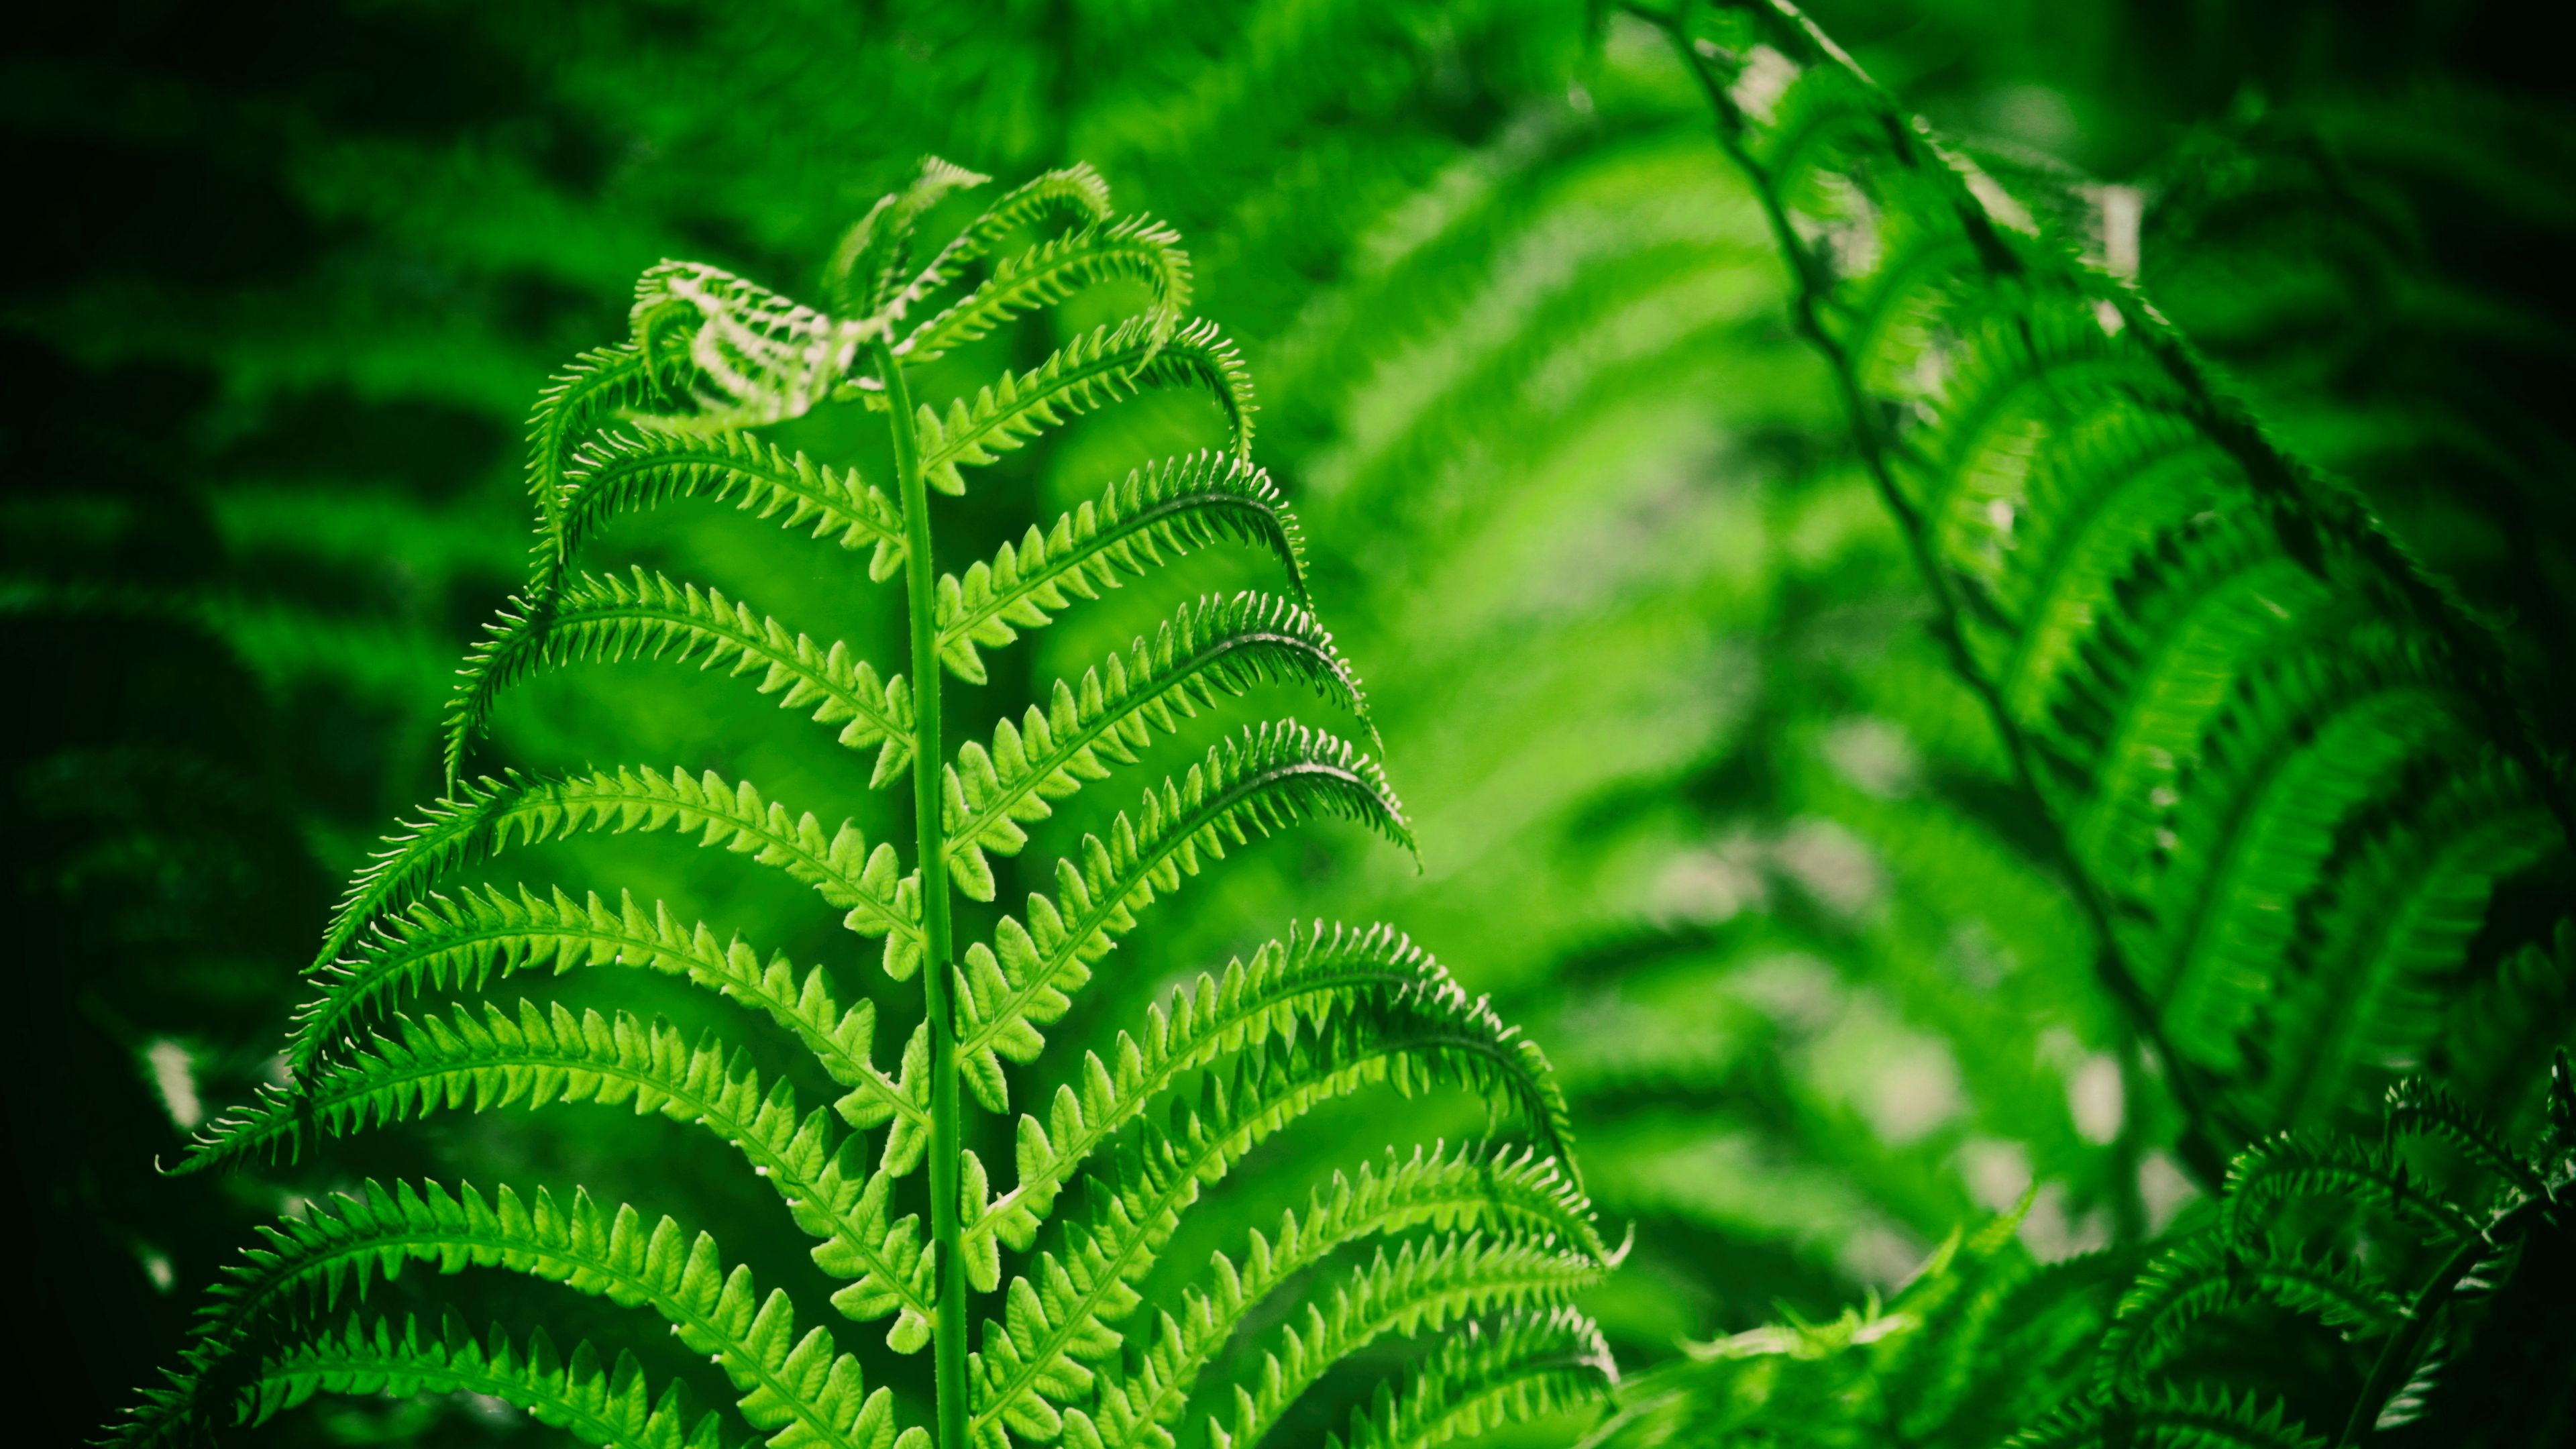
1697,797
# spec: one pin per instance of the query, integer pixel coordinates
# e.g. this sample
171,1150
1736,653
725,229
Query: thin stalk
2200,1149
948,1334
2405,1347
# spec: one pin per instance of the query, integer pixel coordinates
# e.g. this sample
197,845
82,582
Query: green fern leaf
466,942
1320,977
2306,742
2418,1106
2205,1276
803,1389
1072,198
867,269
1062,1324
1157,513
626,472
1427,1284
2404,896
2209,668
2108,492
1211,650
2298,1164
2414,1397
1964,1341
599,384
1422,1288
1133,248
489,816
606,620
613,1408
1052,1349
547,1055
2128,717
1104,366
1526,1365
1273,776
2202,1419
757,357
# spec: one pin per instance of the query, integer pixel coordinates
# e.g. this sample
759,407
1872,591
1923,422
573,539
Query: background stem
948,1337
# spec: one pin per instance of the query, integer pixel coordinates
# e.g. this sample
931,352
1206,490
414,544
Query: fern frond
759,357
2202,1419
2114,488
2419,1106
488,816
1422,1288
2499,1034
1411,1050
1981,1328
2045,1324
1073,197
2305,1164
1062,1325
545,1055
613,1408
2206,1275
2207,666
1154,514
625,472
1210,650
1319,978
1981,1342
610,620
1523,1366
1106,365
2413,1398
601,383
803,1389
467,941
2049,356
1428,1283
1135,248
1814,108
1273,776
2305,742
864,270
1498,1226
2127,718
1049,1351
2382,935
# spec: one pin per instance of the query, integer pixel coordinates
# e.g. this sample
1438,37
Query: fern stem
2398,1357
2405,1348
2200,1147
948,1337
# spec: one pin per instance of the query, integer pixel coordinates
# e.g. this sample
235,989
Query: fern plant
1984,1346
1133,1138
1980,1341
2487,1285
2289,780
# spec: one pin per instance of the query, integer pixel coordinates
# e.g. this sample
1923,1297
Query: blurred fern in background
1699,797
